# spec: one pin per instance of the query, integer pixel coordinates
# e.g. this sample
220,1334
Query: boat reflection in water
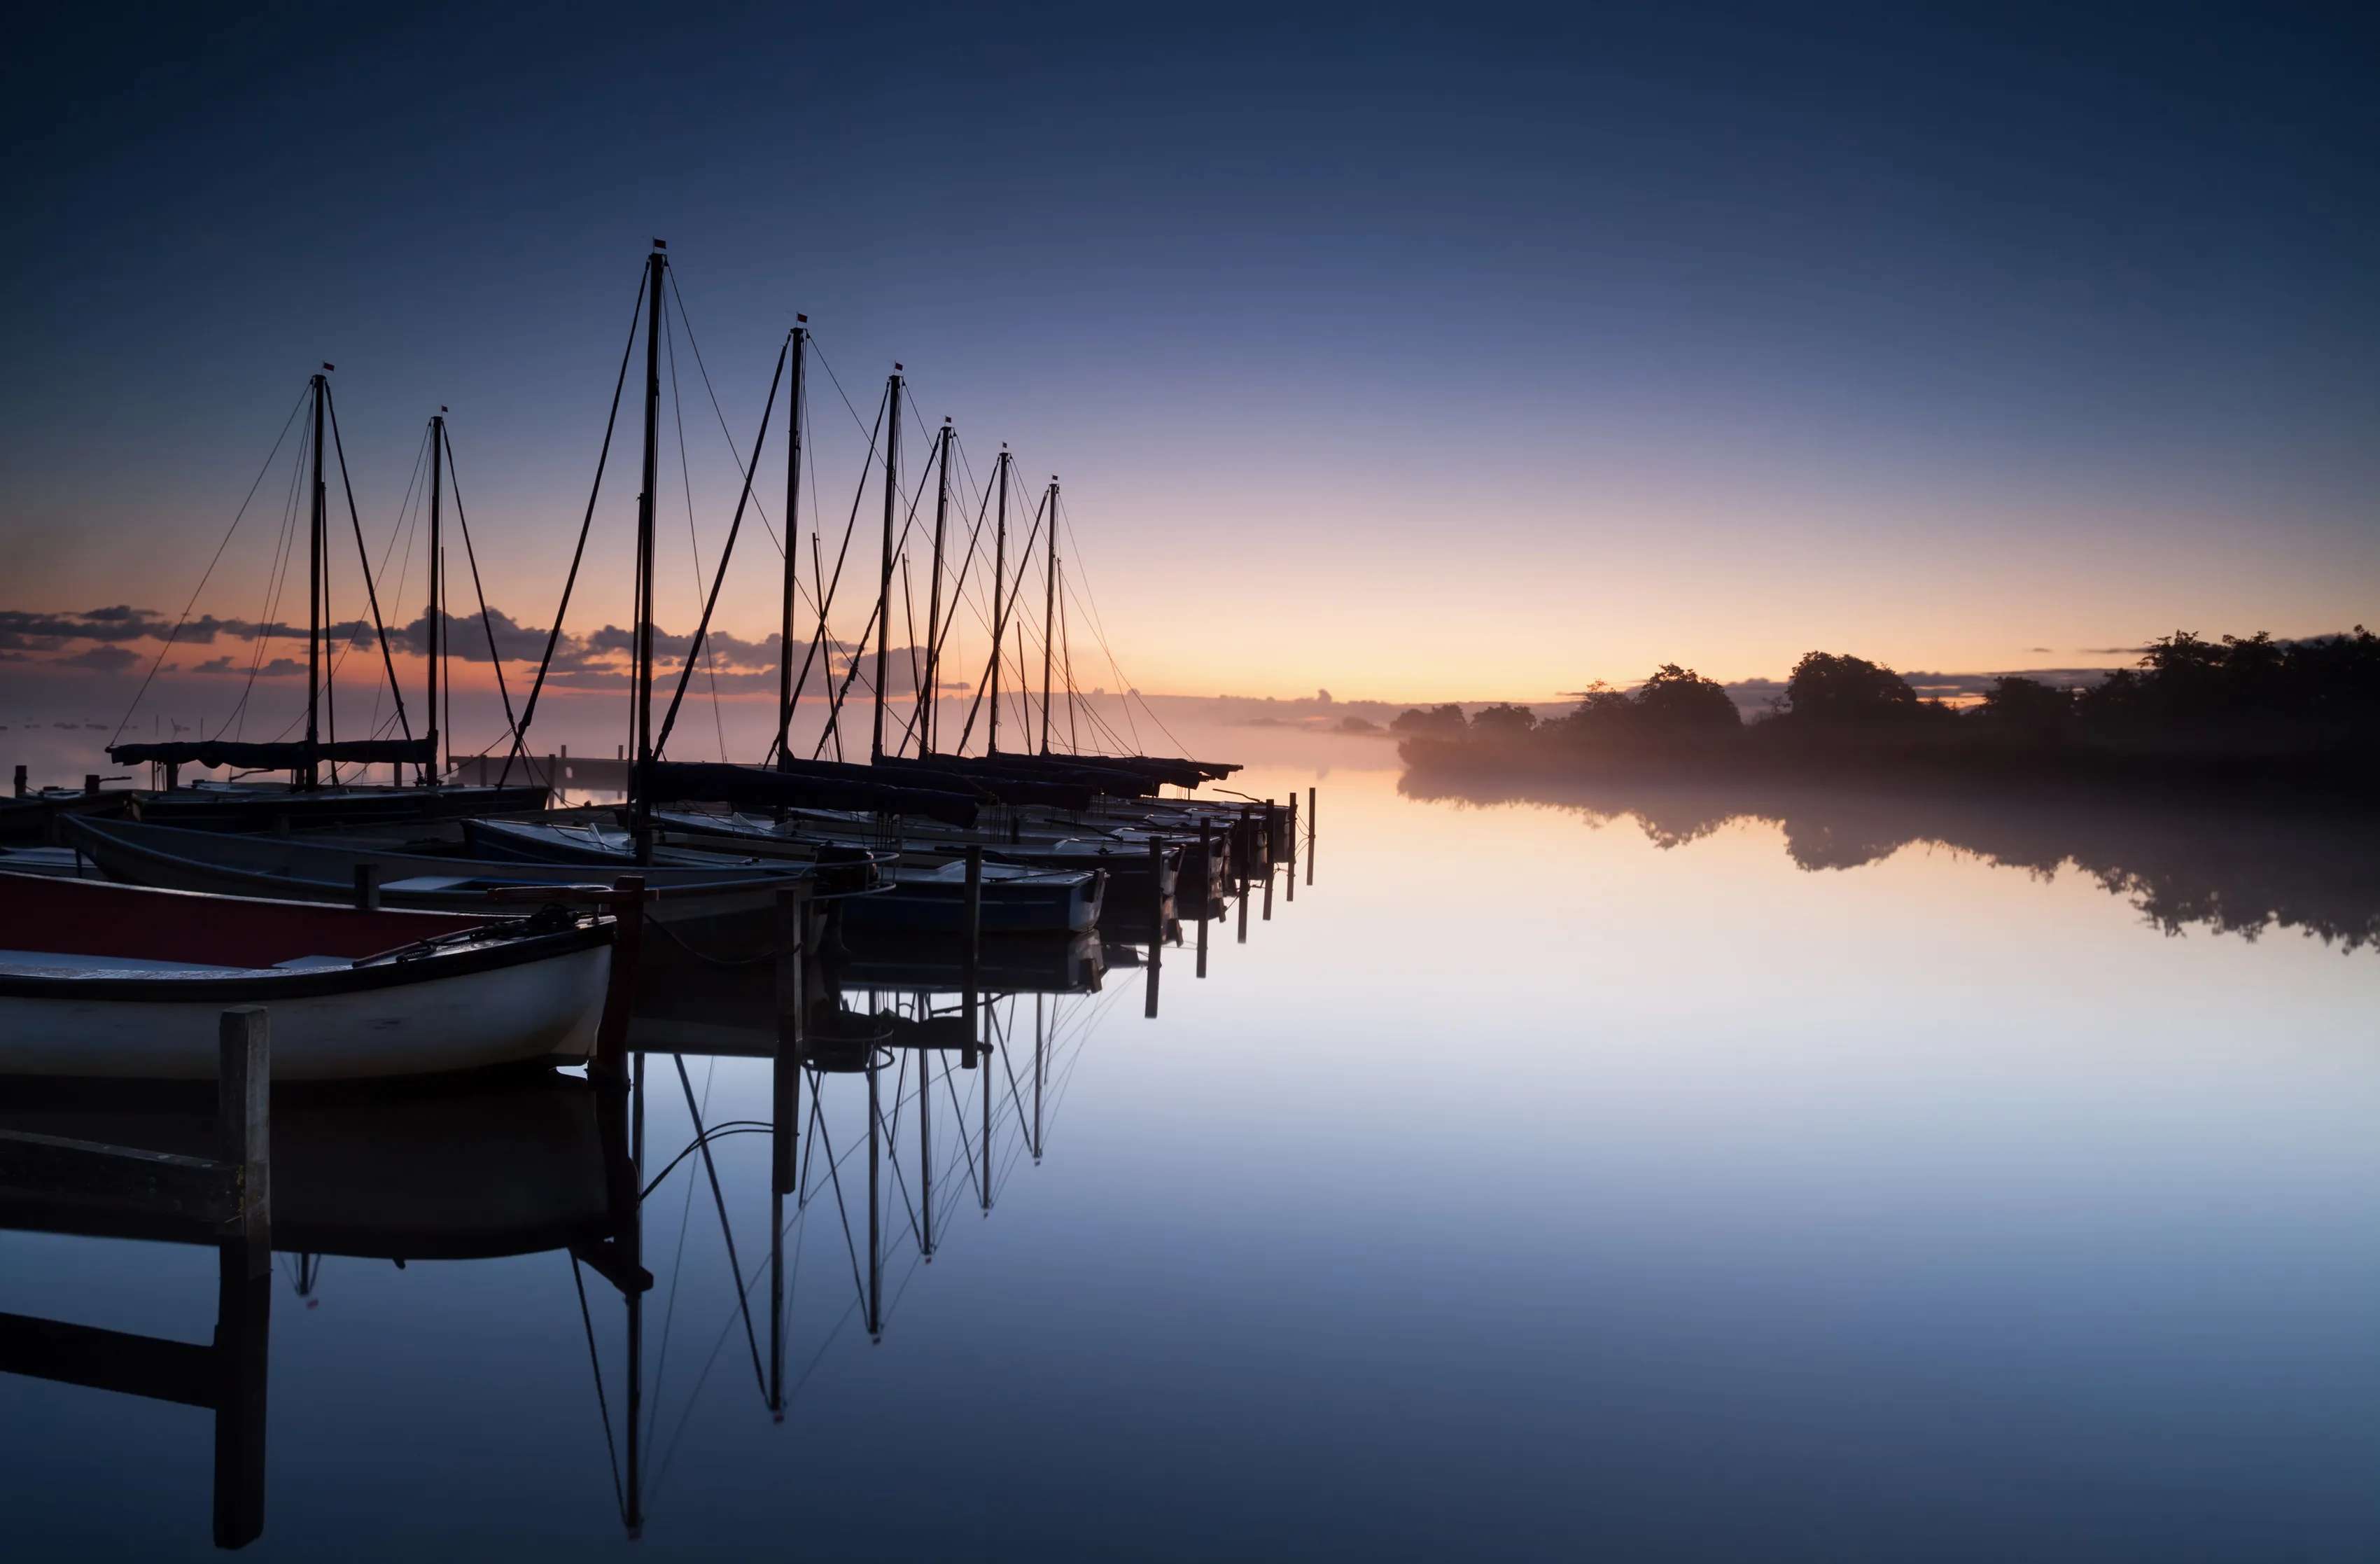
2237,868
897,1095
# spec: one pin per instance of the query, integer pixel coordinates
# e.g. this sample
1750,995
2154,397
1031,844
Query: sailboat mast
884,580
646,505
1049,613
431,770
308,774
999,614
934,602
793,553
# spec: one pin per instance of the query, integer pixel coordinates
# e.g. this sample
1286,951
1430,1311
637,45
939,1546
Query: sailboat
310,797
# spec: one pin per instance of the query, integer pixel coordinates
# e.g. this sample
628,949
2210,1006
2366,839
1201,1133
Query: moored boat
101,980
726,914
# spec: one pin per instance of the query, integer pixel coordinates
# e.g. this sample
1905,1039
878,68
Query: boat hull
154,1028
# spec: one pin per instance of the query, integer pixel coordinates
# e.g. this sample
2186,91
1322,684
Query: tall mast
999,614
1049,613
934,602
793,553
646,505
431,771
308,774
884,581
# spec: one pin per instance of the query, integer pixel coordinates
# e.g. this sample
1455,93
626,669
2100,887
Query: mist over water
1629,1176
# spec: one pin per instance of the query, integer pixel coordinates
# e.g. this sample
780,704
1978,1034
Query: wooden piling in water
627,903
1292,844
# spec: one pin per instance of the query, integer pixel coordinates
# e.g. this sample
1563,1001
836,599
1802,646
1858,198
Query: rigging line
1099,626
677,1273
837,380
702,630
834,1177
276,580
553,636
487,620
834,708
694,653
827,604
275,577
1024,556
720,1198
156,662
958,589
603,1403
678,292
363,561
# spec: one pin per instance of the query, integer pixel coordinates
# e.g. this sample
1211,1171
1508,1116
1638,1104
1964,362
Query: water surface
1537,1185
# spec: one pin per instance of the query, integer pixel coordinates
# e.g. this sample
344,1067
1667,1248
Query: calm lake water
1534,1186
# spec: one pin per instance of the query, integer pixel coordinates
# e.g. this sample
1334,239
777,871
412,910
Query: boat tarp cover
277,757
710,782
1003,786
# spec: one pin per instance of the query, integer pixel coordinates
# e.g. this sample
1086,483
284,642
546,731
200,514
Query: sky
1475,353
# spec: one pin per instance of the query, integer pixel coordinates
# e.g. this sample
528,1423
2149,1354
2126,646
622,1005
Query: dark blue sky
1494,350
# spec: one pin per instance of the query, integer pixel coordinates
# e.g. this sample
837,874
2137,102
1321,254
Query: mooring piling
1291,887
1309,836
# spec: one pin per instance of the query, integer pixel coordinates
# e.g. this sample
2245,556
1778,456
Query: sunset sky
1465,358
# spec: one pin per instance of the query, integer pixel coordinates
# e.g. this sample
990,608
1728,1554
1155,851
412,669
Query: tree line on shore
2236,697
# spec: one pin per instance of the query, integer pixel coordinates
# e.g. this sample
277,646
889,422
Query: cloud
101,659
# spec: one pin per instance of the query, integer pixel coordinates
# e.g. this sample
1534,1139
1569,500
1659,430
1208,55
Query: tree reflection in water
2232,868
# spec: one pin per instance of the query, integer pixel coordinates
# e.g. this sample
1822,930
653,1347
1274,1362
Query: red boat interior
88,917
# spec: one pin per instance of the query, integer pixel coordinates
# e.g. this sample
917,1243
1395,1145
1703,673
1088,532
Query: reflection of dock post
875,1242
1309,836
971,937
1206,886
244,1275
785,1122
1156,921
1040,1068
925,1141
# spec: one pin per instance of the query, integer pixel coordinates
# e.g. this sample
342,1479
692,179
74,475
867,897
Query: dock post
620,994
1272,838
972,935
1156,922
785,1124
1309,836
244,1273
20,782
367,888
243,1122
1206,884
1292,884
1243,841
90,785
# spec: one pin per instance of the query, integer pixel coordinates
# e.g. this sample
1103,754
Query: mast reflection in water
897,1102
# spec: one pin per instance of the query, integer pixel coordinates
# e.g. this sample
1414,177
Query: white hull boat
120,982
